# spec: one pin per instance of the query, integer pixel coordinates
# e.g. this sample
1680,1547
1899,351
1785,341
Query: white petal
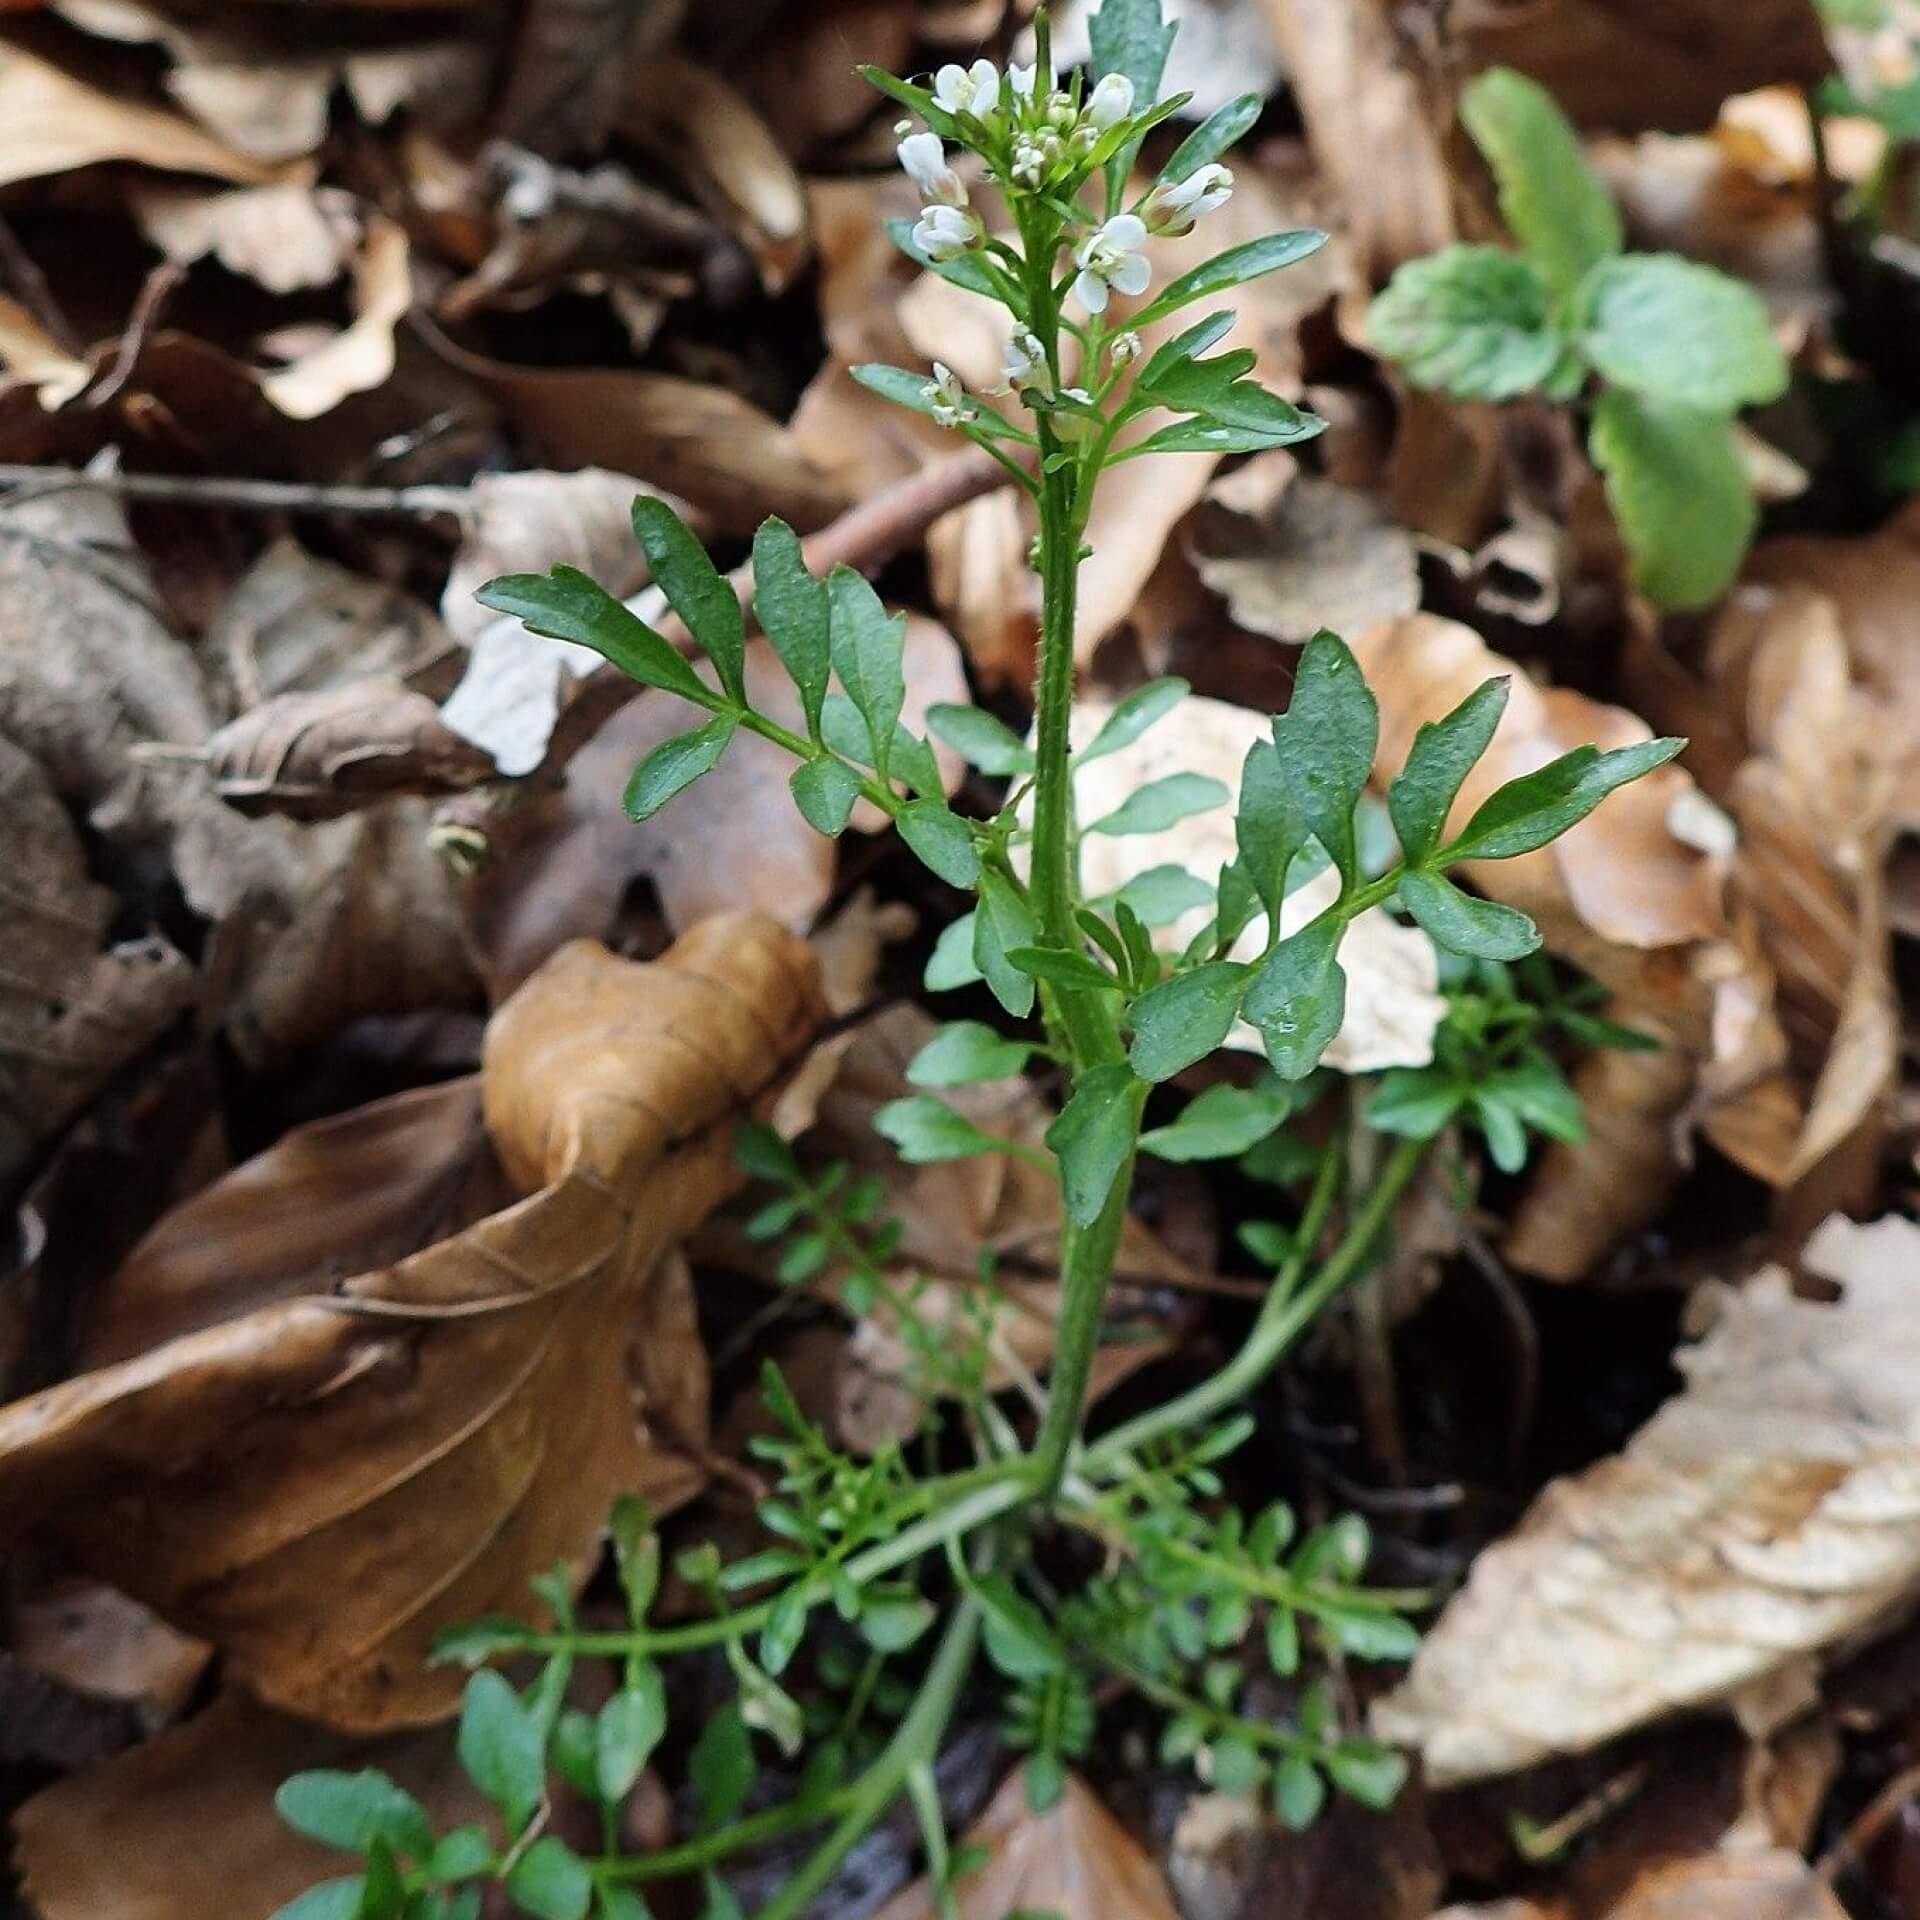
986,86
949,86
1124,230
1132,274
1091,291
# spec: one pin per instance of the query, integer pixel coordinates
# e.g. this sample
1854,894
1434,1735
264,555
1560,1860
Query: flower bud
1111,101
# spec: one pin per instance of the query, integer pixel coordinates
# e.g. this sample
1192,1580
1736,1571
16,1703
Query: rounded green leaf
1680,333
347,1810
1474,322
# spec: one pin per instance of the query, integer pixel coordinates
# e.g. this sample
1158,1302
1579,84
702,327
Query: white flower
1174,208
1020,80
974,89
1126,348
1033,157
945,397
1111,101
1023,360
945,233
925,162
1111,257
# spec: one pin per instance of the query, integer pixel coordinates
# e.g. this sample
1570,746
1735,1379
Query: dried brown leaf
284,237
1076,1861
1772,1885
1767,1515
361,355
476,1391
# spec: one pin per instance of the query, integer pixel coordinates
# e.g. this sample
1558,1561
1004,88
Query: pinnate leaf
674,765
1480,929
1326,740
1233,268
791,606
1443,753
1539,807
694,589
567,604
866,644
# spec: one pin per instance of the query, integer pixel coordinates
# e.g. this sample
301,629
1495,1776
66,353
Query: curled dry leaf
214,1776
30,353
1393,1000
1293,555
74,1009
283,237
1767,1515
312,756
360,356
475,1391
1622,65
1076,1861
52,122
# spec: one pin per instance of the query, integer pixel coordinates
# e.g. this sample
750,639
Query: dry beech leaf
283,237
312,756
1076,1861
98,1641
360,356
1628,66
528,522
53,122
1393,999
193,1822
30,353
1768,1514
1769,1885
696,123
74,1009
706,444
1362,96
1293,555
476,1391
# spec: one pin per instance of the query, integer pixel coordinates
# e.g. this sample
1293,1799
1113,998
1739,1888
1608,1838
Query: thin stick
31,284
227,490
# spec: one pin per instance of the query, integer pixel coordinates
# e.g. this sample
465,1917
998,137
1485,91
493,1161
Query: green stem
1289,1309
915,1743
694,1856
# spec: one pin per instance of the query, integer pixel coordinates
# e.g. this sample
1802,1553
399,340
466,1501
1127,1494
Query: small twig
1853,1846
228,490
37,296
154,295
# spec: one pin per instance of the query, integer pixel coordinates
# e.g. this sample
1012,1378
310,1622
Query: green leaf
1184,1019
330,1900
477,1641
951,964
866,644
1552,201
1233,268
674,765
914,390
1219,1123
1326,740
1094,1135
1679,494
976,273
1215,390
1416,1102
942,841
1470,321
1018,1639
1202,435
965,1052
1162,895
1678,332
1299,997
988,743
825,789
1299,1792
551,1881
1372,1636
1366,1771
1237,1766
567,605
892,1622
1133,716
1046,1779
915,99
1002,922
722,1767
1186,346
707,604
1503,1126
636,1543
791,606
925,1130
1540,806
630,1726
1063,967
460,1855
1270,827
620,1903
347,1810
1444,752
1480,929
1161,804
720,1901
1538,1092
1212,137
501,1748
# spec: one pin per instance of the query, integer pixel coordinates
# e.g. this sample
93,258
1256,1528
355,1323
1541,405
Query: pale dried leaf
1767,1515
284,237
1076,1861
1393,1000
98,1641
1307,554
1772,1885
361,355
476,1391
29,352
52,122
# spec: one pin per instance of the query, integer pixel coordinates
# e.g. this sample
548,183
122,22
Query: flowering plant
1170,1586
